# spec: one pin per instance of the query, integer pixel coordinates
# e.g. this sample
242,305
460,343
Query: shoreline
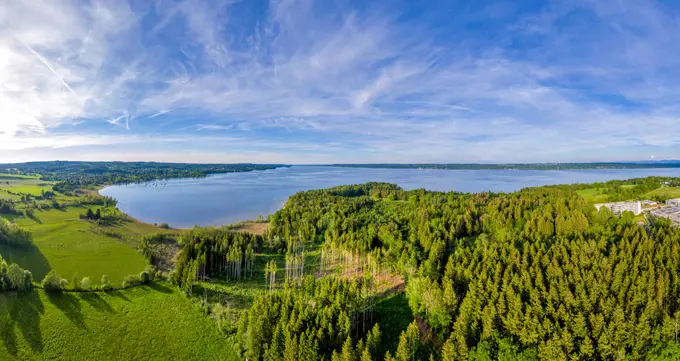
247,226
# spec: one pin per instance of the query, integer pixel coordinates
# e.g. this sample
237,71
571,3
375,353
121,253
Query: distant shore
518,166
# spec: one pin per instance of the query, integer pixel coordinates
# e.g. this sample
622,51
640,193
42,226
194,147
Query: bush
131,280
144,277
86,283
12,235
28,280
151,271
76,283
104,284
164,226
14,278
53,282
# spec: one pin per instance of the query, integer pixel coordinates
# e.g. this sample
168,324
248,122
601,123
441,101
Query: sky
334,81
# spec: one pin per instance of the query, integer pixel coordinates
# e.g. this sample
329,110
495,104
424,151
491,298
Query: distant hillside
521,166
80,174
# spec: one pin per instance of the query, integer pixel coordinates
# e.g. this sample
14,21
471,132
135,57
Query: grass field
145,323
665,192
26,185
5,176
71,246
592,195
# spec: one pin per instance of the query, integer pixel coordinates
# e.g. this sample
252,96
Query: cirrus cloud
350,81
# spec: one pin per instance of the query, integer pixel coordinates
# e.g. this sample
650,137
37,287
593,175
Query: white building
675,202
620,207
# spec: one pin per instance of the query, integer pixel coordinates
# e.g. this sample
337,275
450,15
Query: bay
229,198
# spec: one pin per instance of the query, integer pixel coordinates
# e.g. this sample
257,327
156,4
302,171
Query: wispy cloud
350,81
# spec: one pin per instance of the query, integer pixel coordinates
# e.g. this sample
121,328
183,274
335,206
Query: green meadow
666,192
72,246
22,185
595,195
65,243
144,323
6,176
153,322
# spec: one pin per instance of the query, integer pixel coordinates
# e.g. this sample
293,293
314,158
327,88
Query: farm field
144,323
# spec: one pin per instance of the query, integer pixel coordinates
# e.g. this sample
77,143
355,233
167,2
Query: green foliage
307,326
7,207
409,348
104,283
536,274
14,278
12,235
133,280
76,175
86,283
214,252
53,282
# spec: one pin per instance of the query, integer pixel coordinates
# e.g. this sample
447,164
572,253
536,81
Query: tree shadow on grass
35,219
70,306
98,303
27,316
9,338
159,287
24,310
119,295
29,258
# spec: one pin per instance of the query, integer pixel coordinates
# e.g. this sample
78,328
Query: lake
228,198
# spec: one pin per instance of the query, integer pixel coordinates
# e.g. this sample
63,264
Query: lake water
233,197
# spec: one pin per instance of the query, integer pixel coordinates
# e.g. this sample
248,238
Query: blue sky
333,81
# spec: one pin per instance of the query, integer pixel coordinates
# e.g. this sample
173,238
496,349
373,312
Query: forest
534,275
537,274
73,175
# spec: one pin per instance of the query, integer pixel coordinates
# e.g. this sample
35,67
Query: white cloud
549,85
54,62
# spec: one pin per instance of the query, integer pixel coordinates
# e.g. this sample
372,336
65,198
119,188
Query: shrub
76,283
164,226
144,277
151,271
52,282
104,284
28,280
86,283
12,235
131,280
15,276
